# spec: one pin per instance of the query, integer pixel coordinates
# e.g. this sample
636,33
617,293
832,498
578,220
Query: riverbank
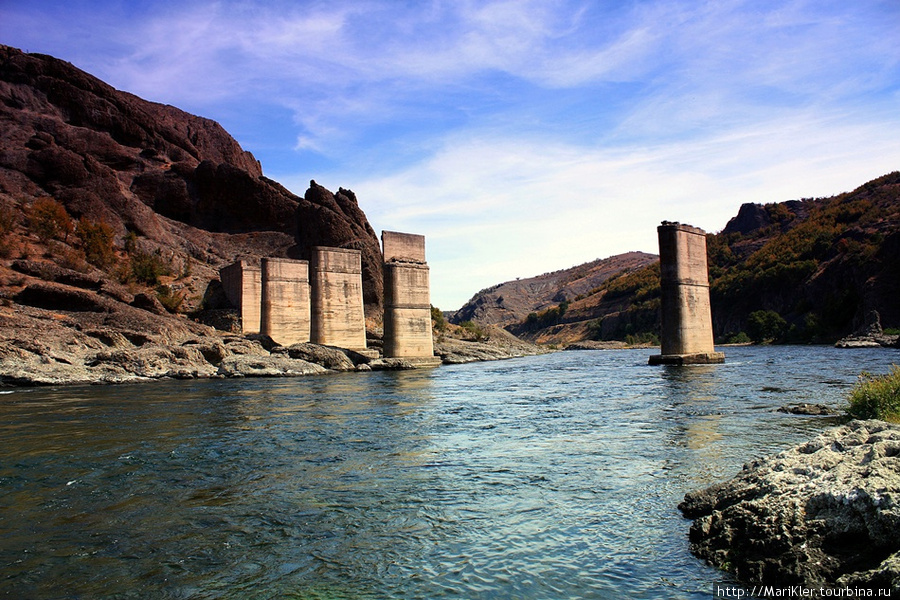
822,514
106,341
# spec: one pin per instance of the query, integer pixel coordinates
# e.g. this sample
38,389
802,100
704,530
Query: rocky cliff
176,182
115,217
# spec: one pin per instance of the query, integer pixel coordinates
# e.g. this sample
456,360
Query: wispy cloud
533,206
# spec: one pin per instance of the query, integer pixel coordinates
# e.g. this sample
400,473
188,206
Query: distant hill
510,302
813,269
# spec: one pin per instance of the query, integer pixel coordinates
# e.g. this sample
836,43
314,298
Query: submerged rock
824,513
330,358
806,408
499,345
267,366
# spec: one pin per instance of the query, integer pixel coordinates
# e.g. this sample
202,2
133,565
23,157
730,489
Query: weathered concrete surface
687,336
825,512
285,300
338,315
403,246
705,358
407,297
242,283
407,311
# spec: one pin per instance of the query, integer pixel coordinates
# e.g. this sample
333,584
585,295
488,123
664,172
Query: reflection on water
542,477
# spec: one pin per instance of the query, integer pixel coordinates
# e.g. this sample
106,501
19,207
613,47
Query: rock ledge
824,513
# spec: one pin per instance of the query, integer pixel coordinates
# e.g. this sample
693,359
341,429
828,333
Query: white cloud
495,209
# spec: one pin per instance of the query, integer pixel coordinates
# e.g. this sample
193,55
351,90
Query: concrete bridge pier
242,283
687,336
407,300
338,315
285,300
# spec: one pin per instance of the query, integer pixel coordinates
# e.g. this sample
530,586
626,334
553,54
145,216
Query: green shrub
876,396
7,221
475,331
766,326
71,258
642,338
738,338
97,242
438,323
7,225
546,318
130,242
148,267
171,300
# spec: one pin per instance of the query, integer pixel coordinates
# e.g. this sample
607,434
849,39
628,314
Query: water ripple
543,477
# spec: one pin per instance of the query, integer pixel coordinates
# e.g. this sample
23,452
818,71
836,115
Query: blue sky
519,137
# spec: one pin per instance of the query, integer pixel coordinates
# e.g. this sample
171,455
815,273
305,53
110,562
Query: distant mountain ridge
814,270
512,301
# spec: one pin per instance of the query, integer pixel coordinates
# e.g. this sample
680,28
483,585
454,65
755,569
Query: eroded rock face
327,219
825,513
869,335
178,181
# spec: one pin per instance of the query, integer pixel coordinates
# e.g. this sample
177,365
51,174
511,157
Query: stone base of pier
412,362
704,358
424,361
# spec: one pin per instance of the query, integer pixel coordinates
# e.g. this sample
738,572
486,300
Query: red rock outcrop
178,181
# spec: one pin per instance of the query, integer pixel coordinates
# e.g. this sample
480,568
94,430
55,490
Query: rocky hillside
115,217
511,302
167,183
801,271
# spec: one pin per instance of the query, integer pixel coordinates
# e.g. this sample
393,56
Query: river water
542,477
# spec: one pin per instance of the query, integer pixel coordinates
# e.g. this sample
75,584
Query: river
551,476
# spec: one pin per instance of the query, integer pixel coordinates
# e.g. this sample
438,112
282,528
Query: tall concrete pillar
285,300
687,336
407,303
243,287
338,316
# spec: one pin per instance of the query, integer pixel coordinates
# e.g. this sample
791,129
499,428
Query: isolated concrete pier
407,301
687,336
285,300
338,316
242,283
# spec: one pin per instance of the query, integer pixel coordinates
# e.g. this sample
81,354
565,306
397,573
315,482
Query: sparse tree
49,220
